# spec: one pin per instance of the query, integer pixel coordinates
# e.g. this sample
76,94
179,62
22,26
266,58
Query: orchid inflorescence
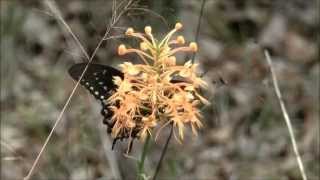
157,92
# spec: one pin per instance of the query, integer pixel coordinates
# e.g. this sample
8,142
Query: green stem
143,158
164,150
198,26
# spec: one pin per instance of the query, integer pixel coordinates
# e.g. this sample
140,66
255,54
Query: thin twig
162,154
115,19
57,14
198,27
152,13
115,37
285,115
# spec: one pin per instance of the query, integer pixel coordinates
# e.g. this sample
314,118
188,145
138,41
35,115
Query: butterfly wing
98,80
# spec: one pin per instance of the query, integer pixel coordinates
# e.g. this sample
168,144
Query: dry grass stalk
286,116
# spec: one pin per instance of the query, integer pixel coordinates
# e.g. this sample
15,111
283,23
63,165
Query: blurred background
244,135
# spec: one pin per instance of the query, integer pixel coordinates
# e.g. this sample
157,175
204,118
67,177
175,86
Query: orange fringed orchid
157,92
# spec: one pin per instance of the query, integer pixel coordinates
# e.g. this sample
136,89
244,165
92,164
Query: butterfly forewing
98,79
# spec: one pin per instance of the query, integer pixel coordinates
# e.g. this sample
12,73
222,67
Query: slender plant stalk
143,158
286,116
198,27
163,153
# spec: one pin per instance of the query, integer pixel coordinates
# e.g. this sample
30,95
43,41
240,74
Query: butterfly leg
130,145
114,143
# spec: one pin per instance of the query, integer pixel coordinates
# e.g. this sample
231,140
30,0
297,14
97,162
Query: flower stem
164,150
143,158
198,26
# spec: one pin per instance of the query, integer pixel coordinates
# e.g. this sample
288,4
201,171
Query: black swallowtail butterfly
98,80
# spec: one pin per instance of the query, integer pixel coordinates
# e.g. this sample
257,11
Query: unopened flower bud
193,46
143,46
148,29
180,40
122,50
178,26
129,31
